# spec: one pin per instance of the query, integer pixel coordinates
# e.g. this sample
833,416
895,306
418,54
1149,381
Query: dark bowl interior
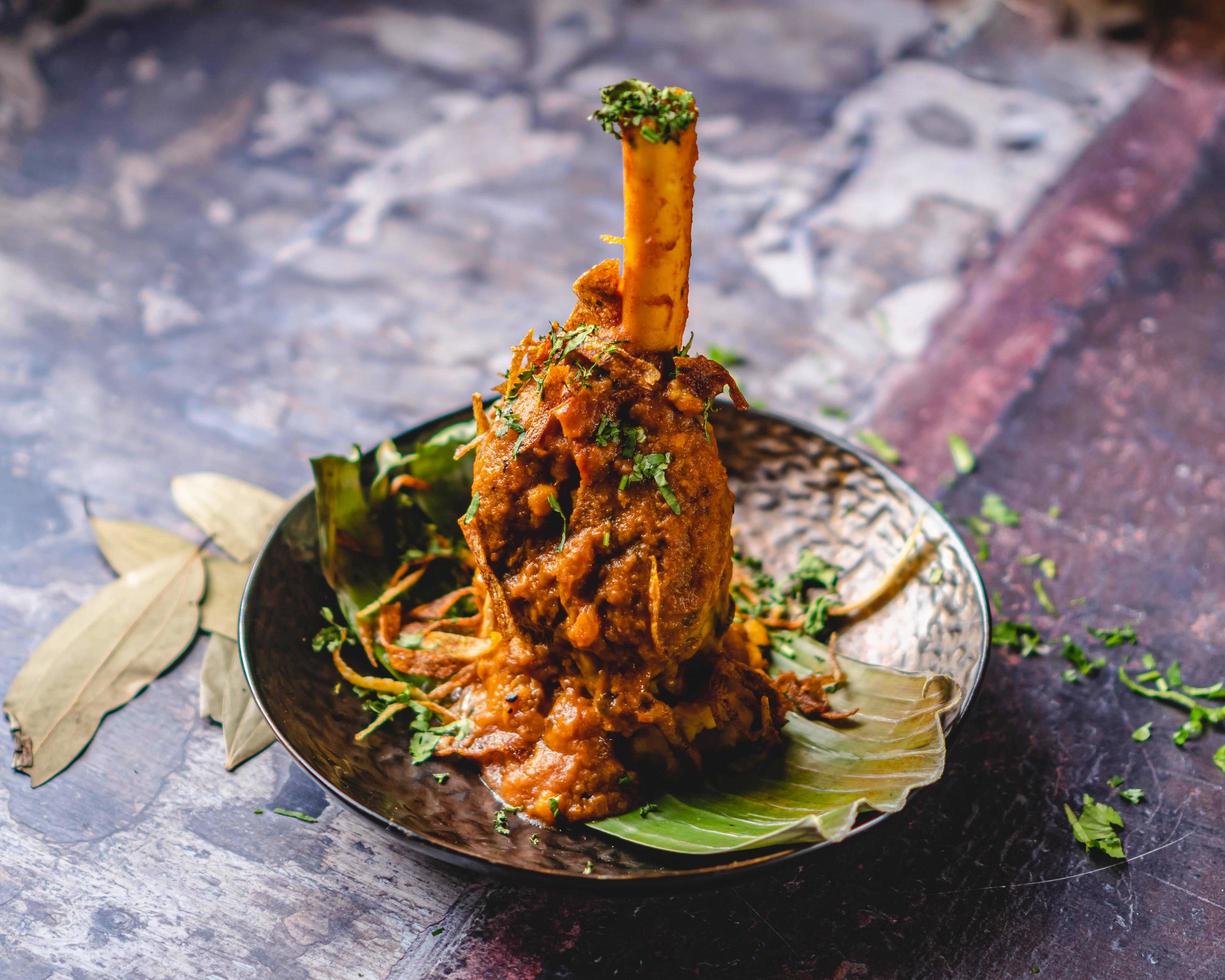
795,487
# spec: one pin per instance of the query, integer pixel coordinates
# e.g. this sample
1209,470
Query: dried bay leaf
101,657
238,515
226,580
225,698
129,545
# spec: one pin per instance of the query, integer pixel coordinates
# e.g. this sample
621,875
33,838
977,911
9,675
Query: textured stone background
233,235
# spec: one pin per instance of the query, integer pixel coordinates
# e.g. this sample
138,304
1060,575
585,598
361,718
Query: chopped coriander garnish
1143,733
1097,826
441,777
470,513
1114,782
936,575
646,809
653,466
994,509
554,805
813,571
963,456
333,636
1134,795
1030,559
1018,636
1114,637
1076,656
588,867
437,932
258,810
1218,758
834,412
1044,599
565,523
1054,511
499,819
879,445
624,778
1048,568
535,839
724,355
607,538
669,111
295,814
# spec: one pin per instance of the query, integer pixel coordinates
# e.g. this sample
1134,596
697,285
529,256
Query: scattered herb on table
1114,636
588,867
1134,795
1097,826
295,814
437,932
1075,655
1044,599
1143,733
834,412
1054,511
1017,636
879,445
1218,758
535,839
441,777
963,455
1114,782
994,509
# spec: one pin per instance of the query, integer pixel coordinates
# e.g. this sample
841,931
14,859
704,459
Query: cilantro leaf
1218,758
1114,782
565,522
470,513
499,819
295,814
1016,635
1097,826
1114,637
1076,656
813,571
963,455
629,103
879,445
1134,795
724,355
1044,599
653,466
1143,733
994,509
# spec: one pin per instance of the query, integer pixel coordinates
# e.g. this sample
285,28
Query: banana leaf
365,532
826,776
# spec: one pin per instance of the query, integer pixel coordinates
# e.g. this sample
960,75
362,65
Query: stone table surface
234,235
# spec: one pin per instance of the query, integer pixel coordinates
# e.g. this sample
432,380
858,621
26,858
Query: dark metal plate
796,488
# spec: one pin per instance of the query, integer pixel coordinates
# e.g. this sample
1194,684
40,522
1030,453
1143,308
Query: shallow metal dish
796,487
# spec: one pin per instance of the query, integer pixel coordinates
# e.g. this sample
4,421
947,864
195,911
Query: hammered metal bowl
796,487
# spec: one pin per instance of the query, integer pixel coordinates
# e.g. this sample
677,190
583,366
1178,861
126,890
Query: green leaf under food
827,774
364,530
